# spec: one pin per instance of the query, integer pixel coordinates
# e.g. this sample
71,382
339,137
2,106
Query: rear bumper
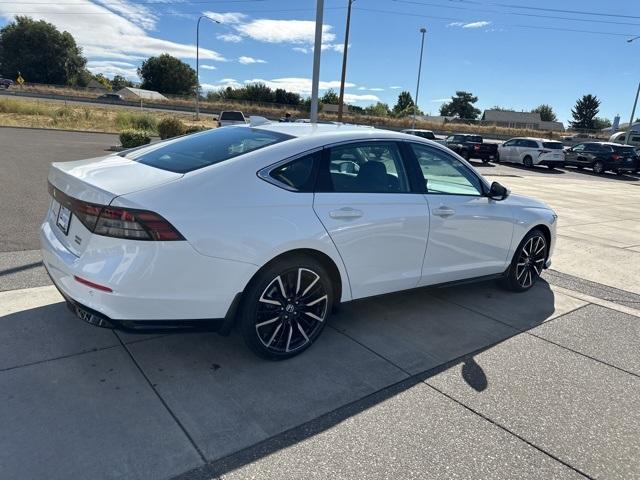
151,281
550,161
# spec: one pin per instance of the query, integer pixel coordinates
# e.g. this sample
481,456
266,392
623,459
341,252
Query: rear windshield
474,139
624,149
234,116
427,135
199,150
553,145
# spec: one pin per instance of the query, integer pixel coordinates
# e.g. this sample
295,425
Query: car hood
524,201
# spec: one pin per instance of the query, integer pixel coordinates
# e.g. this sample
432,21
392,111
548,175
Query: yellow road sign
20,80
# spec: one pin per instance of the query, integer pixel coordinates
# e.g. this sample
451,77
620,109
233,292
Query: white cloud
479,24
110,68
250,60
229,37
208,67
272,31
335,47
301,49
224,83
375,89
226,18
395,87
352,98
439,100
299,85
118,32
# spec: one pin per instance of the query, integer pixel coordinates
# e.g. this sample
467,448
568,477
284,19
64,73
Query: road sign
20,80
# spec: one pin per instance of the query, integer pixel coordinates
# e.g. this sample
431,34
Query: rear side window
233,116
624,150
192,152
552,145
427,135
528,143
474,139
299,174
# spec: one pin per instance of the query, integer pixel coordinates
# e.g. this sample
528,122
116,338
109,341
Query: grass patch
47,114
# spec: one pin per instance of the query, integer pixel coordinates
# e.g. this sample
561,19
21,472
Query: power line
532,15
391,12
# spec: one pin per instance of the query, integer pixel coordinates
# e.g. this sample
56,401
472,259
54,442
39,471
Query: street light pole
317,47
635,103
344,62
198,63
415,106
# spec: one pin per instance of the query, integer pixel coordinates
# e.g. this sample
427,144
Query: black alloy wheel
287,308
528,262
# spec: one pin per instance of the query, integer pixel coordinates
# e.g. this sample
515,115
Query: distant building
131,93
512,119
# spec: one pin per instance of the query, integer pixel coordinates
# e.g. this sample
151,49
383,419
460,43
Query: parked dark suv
602,157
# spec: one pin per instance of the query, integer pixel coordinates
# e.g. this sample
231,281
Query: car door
507,149
572,155
469,234
377,221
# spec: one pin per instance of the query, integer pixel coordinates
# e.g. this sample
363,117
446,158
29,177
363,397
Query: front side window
444,174
579,148
297,174
510,143
368,167
192,152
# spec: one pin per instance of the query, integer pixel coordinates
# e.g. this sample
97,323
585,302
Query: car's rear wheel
285,307
598,167
528,262
528,161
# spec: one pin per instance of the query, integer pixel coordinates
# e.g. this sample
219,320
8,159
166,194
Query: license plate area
62,216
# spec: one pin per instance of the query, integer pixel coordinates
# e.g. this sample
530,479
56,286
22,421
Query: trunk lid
96,181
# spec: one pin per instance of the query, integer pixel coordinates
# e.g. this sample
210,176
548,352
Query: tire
619,173
285,307
497,158
528,162
523,273
598,167
551,167
579,167
465,155
485,160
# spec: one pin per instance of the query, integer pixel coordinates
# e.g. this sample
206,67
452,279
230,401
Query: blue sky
512,53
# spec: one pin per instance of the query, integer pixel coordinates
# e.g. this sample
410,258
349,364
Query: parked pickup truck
471,146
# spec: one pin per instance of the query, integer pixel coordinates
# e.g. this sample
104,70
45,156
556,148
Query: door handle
346,212
444,212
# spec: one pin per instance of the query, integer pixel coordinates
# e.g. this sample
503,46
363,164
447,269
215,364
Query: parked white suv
231,117
531,152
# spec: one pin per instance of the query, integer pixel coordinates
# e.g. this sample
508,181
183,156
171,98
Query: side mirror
498,192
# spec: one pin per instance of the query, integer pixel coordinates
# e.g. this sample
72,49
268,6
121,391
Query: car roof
416,130
298,129
537,139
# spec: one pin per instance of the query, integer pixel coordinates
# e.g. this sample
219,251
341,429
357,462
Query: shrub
196,129
131,138
170,127
137,121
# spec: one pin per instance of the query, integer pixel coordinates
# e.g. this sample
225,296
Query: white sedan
270,226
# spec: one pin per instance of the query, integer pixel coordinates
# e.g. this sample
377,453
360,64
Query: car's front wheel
285,307
528,162
528,262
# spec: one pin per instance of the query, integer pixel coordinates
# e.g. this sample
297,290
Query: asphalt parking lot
464,382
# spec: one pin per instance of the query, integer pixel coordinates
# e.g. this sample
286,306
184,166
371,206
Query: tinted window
191,152
474,139
510,143
367,167
444,174
427,135
234,116
552,145
297,174
528,143
628,150
579,148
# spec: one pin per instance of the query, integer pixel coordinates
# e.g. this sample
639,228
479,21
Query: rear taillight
476,147
542,152
616,157
118,222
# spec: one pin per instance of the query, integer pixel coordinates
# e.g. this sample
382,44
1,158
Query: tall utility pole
344,62
633,114
415,106
198,63
635,103
316,61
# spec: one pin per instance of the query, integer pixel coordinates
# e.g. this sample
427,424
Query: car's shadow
625,177
230,401
535,169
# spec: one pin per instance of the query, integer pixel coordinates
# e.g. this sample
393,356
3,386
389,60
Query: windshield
233,116
553,145
199,150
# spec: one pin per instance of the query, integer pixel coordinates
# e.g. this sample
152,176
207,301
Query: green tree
599,123
287,98
258,92
585,111
120,82
546,113
404,104
378,109
102,80
40,52
461,106
167,74
330,97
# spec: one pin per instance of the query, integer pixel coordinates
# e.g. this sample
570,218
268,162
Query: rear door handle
444,212
346,212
